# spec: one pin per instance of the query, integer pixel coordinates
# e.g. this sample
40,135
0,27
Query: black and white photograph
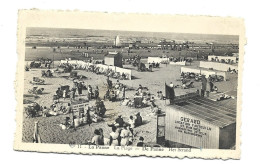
101,90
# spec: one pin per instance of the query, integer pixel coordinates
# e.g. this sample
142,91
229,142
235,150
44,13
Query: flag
169,92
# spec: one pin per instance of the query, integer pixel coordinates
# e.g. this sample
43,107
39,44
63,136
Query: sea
33,33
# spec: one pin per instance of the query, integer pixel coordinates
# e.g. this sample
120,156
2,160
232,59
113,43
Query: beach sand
50,132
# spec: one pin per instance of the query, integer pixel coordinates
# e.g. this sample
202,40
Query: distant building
113,59
117,41
135,45
165,45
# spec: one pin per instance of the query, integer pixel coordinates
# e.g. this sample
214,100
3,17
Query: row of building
172,45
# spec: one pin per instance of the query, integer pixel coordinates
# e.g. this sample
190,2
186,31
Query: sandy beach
48,126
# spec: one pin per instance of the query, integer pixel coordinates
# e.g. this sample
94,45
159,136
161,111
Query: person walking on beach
80,87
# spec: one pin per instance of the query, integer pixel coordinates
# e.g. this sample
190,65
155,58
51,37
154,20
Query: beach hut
198,123
114,59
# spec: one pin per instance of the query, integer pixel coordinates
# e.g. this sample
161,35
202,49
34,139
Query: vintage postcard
129,84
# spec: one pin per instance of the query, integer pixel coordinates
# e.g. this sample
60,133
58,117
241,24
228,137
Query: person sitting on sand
140,89
152,99
117,84
138,120
223,97
59,93
125,102
112,96
141,142
27,68
123,76
154,108
95,118
160,95
148,97
45,112
171,85
215,89
117,92
95,139
54,111
144,102
68,109
233,71
66,124
130,103
56,108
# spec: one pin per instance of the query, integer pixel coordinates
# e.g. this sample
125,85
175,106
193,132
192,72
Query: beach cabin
218,66
197,122
113,59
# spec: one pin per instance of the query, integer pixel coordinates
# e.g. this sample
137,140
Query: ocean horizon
125,36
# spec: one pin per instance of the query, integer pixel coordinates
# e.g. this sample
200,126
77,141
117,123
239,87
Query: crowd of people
143,98
227,61
56,109
122,133
78,86
41,62
180,59
94,68
114,91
